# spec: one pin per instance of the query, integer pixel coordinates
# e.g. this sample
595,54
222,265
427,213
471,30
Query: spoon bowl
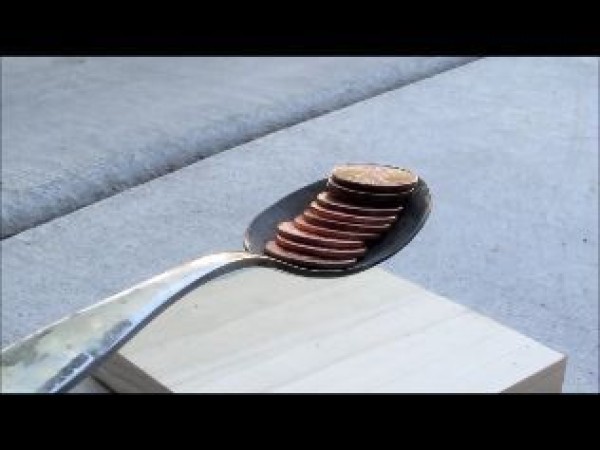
411,220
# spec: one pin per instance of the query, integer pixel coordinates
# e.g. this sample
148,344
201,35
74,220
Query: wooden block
261,330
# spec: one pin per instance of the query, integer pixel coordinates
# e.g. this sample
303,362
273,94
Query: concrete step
76,130
508,146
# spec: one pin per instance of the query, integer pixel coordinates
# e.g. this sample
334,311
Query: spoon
57,357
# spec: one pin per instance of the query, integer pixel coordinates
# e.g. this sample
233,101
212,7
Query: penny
301,223
366,198
374,178
315,219
276,251
327,200
329,213
289,231
328,253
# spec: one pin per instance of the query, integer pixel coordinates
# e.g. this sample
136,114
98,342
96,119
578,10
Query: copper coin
366,198
328,213
277,252
328,253
301,223
291,232
374,178
327,200
315,219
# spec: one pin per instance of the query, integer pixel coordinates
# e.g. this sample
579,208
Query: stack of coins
360,204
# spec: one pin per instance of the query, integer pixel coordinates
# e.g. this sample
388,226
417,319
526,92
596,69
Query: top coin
374,178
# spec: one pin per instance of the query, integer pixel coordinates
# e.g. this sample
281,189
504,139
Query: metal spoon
57,357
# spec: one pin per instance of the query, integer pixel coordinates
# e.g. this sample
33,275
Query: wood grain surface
261,330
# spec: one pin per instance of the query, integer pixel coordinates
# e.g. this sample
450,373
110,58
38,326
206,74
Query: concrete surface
509,147
76,130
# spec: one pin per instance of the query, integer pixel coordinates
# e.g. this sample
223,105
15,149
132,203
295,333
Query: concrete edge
62,201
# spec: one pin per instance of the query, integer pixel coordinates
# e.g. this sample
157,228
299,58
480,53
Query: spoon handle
55,358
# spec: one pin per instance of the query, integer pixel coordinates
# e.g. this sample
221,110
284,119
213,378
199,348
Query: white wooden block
261,330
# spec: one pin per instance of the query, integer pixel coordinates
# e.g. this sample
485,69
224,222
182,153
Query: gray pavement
76,130
509,147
